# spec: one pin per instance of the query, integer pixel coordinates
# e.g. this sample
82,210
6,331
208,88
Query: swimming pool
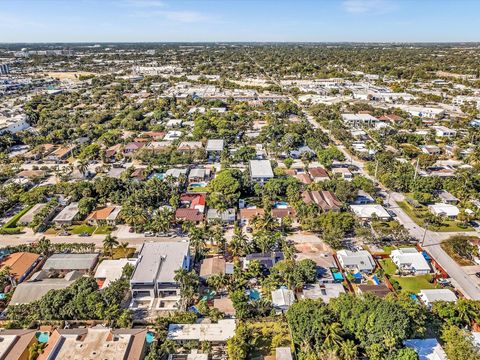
280,204
159,176
149,337
42,337
254,294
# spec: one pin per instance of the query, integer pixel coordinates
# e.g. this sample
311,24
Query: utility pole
416,171
376,168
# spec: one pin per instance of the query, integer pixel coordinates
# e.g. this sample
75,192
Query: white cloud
181,16
144,3
368,6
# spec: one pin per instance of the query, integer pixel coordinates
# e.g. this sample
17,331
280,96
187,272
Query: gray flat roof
215,145
261,169
70,262
68,213
158,261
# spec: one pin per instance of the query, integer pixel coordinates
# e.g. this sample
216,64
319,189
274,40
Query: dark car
85,234
477,274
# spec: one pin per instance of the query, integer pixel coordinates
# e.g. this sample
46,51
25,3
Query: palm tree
239,245
188,283
109,243
348,350
82,166
197,238
264,222
333,336
218,281
123,247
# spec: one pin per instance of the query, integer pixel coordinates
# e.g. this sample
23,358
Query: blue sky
239,20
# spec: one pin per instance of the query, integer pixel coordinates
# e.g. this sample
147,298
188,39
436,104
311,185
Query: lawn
10,226
413,284
119,253
388,266
85,228
417,215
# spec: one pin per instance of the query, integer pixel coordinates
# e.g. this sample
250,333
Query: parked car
85,234
249,230
131,230
64,233
477,274
149,234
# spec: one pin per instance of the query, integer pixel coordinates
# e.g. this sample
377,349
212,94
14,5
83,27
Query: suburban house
260,171
228,216
247,214
363,198
443,131
110,270
409,260
444,210
447,198
130,148
15,343
215,333
282,299
429,296
96,342
214,148
356,261
64,263
325,200
153,281
318,174
28,217
356,120
322,291
61,153
368,211
20,264
39,284
215,265
67,216
426,349
187,146
266,260
344,173
112,152
106,216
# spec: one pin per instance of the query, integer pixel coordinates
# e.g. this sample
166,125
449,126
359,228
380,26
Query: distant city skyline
239,20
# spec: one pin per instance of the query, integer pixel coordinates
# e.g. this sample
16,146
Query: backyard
418,216
408,284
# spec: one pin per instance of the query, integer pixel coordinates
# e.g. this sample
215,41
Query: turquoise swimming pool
150,337
42,337
159,176
254,294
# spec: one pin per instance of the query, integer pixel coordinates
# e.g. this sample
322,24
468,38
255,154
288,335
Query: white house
261,171
410,260
429,296
446,210
367,211
443,131
356,120
356,261
282,299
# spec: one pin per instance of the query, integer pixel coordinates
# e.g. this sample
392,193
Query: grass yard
121,253
413,284
417,215
10,226
388,266
83,228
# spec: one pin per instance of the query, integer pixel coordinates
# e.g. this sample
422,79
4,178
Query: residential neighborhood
239,201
